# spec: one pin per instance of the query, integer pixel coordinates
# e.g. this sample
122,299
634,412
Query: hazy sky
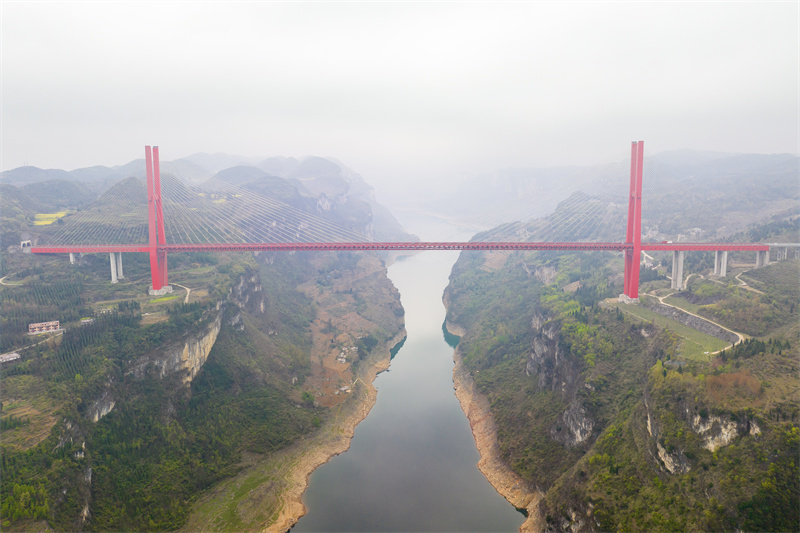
397,91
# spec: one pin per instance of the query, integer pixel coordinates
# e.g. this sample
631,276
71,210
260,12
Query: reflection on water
412,462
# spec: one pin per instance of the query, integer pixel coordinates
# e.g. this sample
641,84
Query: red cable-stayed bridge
158,247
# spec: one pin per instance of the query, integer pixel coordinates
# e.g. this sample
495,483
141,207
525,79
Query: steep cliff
184,356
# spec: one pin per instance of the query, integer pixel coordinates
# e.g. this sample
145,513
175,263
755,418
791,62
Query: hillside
125,422
621,419
57,195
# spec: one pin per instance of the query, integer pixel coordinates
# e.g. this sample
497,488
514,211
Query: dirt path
188,291
3,282
743,284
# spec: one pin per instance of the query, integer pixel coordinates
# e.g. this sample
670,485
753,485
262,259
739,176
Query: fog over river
412,462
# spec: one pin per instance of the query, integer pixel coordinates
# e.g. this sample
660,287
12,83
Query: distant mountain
17,210
119,216
60,194
213,163
279,166
324,183
180,168
682,189
319,184
25,175
256,180
100,178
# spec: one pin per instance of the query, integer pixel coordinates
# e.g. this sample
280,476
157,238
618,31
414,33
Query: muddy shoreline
510,485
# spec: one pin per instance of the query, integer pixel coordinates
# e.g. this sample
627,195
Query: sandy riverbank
510,485
332,440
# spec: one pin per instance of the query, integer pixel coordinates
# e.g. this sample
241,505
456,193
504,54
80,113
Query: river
412,462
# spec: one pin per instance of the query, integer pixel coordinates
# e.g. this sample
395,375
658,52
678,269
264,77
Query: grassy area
694,343
163,299
26,397
682,304
219,509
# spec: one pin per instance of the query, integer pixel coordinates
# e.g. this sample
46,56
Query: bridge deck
401,246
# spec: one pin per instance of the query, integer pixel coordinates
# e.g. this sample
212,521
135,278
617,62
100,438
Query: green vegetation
693,345
617,412
747,311
119,423
163,443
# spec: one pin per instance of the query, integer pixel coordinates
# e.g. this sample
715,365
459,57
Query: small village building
43,327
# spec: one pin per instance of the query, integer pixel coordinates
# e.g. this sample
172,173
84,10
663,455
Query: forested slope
123,420
614,417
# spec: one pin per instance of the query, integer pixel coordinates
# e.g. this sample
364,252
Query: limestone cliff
558,371
185,356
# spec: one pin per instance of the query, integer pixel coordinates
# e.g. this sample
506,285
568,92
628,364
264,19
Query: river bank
267,495
334,439
476,407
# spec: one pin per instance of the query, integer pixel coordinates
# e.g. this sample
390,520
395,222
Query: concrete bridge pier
721,263
113,261
677,269
762,259
120,275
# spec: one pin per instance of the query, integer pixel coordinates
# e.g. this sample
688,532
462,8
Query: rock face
558,371
101,407
187,355
555,369
574,426
716,432
693,321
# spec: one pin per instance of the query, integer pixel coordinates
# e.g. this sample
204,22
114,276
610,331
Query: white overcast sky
397,91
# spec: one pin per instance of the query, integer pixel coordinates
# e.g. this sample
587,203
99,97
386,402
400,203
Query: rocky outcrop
555,369
672,461
186,356
573,427
693,321
718,431
101,407
248,294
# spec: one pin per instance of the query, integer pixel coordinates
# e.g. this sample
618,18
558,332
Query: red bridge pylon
155,220
633,235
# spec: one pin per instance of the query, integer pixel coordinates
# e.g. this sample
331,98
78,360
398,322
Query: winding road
661,300
188,292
